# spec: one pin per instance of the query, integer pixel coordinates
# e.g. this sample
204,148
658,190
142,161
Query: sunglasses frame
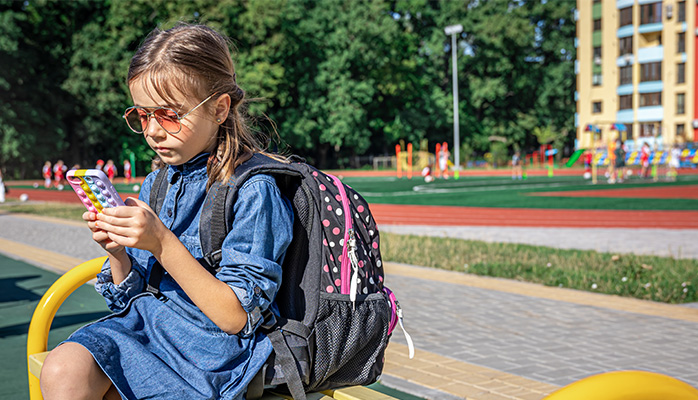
149,115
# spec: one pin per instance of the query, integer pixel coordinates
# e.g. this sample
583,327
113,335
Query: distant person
443,162
674,162
127,171
46,172
59,170
426,173
516,166
620,161
110,170
100,164
611,171
587,158
2,188
645,160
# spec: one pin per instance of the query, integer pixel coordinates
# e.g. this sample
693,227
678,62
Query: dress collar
192,168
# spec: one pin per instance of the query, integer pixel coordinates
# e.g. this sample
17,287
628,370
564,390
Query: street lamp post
454,30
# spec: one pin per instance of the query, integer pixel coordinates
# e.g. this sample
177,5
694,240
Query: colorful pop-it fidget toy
94,189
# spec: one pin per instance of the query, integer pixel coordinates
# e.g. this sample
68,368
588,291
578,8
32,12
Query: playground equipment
626,385
408,160
573,159
37,338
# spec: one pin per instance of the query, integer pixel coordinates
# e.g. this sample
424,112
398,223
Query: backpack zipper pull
354,266
410,344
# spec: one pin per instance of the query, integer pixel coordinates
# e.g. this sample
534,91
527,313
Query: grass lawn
655,278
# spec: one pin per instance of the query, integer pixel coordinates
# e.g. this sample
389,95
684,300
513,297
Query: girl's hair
195,60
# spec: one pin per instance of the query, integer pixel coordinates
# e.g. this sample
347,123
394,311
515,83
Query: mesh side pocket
349,342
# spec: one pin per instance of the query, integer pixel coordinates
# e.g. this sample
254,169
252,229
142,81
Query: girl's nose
153,129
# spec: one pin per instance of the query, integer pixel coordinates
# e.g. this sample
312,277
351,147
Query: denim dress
167,348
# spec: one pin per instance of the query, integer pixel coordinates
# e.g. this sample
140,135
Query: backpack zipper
345,273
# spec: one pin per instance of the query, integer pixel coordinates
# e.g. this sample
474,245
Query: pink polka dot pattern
333,217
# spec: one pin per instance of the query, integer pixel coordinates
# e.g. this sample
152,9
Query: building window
680,131
597,79
680,103
626,75
626,16
597,55
625,102
651,13
651,72
650,129
597,24
650,99
625,45
596,107
681,45
681,73
681,11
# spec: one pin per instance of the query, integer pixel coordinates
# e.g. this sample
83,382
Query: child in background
2,188
100,164
674,162
127,171
198,340
59,170
516,166
110,170
46,173
645,160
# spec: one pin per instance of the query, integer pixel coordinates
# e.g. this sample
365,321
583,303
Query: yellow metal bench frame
37,339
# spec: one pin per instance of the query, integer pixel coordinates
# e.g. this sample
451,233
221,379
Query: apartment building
636,72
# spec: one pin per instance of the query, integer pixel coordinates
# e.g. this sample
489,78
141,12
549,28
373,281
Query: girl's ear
222,107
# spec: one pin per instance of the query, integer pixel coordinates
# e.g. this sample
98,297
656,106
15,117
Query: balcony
649,114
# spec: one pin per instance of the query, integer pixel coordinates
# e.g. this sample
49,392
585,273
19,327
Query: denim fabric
169,349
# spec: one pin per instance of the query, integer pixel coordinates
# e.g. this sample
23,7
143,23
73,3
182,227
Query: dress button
257,290
169,212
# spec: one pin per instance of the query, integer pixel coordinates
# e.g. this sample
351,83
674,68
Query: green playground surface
505,192
21,288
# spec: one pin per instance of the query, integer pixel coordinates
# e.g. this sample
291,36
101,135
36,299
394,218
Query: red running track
480,216
666,192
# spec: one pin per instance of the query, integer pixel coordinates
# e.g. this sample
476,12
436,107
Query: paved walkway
477,338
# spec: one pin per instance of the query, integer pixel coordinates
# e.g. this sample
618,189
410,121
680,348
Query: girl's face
198,128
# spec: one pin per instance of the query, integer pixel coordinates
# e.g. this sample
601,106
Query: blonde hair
194,60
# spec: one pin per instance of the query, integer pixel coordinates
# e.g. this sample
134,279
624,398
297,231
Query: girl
199,340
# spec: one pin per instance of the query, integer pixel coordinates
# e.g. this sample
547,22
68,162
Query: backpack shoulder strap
217,212
157,197
159,190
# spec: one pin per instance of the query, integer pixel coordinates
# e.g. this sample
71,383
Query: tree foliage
335,78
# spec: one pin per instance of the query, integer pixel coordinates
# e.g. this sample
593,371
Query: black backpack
336,317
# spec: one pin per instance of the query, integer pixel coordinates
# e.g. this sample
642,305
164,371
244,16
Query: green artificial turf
504,192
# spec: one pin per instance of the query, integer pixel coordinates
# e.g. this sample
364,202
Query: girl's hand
100,236
135,226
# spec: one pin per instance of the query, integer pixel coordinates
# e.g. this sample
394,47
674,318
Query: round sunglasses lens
137,120
168,119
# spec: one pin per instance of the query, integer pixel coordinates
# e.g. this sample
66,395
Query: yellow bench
37,340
